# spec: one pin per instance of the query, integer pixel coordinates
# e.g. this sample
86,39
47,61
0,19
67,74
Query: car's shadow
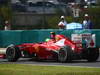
28,60
54,61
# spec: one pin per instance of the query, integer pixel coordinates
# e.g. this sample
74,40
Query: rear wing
87,39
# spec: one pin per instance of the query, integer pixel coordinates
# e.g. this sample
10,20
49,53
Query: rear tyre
64,54
13,53
92,54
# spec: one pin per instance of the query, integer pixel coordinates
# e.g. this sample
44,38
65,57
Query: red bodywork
46,50
59,47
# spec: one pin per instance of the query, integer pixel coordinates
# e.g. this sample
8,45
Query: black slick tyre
92,54
13,53
64,54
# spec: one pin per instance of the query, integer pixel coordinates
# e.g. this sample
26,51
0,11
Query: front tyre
92,54
64,54
13,53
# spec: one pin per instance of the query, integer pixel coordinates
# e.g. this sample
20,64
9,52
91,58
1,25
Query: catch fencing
34,36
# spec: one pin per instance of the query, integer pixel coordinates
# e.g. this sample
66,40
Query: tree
5,11
66,1
98,2
23,1
94,14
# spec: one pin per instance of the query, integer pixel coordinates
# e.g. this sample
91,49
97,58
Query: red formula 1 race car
59,48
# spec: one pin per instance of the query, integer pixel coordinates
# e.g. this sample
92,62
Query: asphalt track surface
79,63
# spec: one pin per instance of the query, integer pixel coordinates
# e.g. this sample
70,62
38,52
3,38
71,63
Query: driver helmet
52,36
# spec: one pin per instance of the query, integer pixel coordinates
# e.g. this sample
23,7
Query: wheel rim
62,55
11,53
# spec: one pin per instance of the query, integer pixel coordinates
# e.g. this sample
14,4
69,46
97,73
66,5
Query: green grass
17,69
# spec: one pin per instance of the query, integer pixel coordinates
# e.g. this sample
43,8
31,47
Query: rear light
73,48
